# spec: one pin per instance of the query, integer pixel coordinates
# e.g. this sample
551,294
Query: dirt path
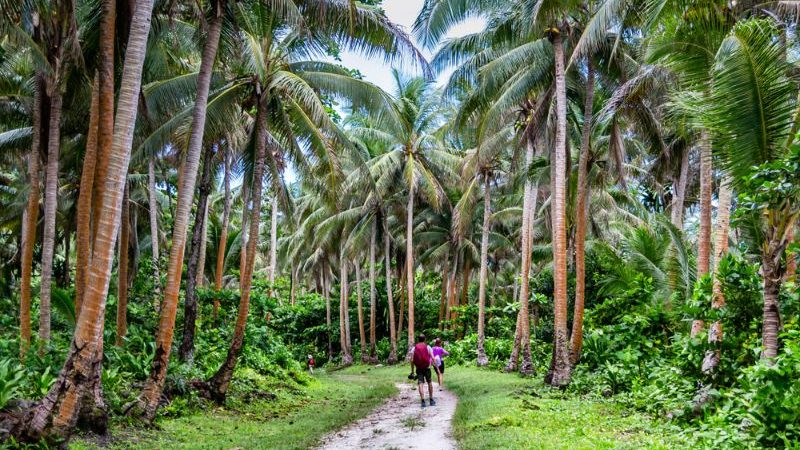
401,423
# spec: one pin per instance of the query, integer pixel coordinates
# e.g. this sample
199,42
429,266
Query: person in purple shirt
438,360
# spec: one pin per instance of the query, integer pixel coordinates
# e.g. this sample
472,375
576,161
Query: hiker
422,362
310,362
438,360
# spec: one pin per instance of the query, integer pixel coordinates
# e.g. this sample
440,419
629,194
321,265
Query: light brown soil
401,423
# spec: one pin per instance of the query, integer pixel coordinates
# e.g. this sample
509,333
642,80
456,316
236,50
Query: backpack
422,359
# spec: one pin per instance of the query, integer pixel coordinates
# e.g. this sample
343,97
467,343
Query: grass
497,410
282,421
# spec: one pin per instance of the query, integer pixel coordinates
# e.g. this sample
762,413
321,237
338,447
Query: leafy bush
11,376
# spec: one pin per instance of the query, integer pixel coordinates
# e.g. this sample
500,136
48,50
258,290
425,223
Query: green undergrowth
497,410
281,416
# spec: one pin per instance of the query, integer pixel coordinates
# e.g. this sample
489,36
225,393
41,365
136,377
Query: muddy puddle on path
400,423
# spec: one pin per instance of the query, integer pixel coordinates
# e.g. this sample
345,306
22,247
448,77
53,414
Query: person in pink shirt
438,360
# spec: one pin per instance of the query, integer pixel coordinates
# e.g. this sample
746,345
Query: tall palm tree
53,417
751,85
415,156
155,383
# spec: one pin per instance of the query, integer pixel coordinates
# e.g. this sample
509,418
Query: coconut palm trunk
50,212
344,315
83,238
482,360
201,261
676,214
361,331
243,234
704,234
443,299
528,210
706,181
151,393
186,349
55,416
402,296
153,214
373,351
122,270
219,383
559,373
273,243
712,357
29,225
581,213
410,268
223,237
387,257
772,272
327,288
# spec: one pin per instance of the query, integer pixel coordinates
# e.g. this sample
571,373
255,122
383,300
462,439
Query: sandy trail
400,423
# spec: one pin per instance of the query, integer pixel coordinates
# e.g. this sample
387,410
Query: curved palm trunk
218,384
50,211
223,237
361,333
528,210
153,214
482,359
560,371
29,222
151,393
186,350
122,270
273,243
712,357
581,212
410,268
55,415
387,256
373,354
83,230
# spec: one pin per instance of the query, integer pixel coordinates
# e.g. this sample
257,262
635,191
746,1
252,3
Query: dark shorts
423,375
441,368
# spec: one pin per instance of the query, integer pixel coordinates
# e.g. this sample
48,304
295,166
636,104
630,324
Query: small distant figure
438,360
310,363
422,362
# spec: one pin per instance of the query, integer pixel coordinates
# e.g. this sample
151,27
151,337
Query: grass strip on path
282,422
498,410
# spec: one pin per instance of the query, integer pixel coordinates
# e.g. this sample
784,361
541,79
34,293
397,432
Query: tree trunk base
392,359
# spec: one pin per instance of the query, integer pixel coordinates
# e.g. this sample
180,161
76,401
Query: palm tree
155,383
415,156
45,419
751,85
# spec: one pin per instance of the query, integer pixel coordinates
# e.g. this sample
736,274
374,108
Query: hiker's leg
430,389
421,392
